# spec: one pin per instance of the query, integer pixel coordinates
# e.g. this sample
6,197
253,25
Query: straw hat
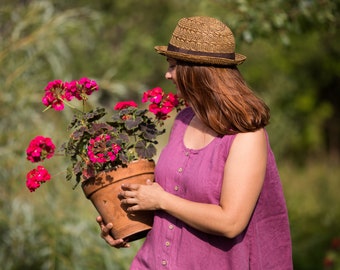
202,40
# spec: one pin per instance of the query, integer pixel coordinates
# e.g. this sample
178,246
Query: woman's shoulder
250,143
182,120
185,114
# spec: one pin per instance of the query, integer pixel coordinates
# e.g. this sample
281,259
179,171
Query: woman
217,198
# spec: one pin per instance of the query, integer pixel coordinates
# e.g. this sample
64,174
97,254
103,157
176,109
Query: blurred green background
293,64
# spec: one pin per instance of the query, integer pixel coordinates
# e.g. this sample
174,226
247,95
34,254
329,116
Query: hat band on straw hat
173,48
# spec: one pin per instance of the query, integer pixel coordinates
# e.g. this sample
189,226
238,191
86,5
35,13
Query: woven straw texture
202,40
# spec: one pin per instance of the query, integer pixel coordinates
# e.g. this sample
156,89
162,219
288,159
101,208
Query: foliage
296,83
314,210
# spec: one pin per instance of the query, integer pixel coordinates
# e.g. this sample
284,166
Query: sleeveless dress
197,175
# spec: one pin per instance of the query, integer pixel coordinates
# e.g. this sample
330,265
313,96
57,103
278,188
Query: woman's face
171,73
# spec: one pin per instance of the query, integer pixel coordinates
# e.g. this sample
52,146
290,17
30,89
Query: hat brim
209,60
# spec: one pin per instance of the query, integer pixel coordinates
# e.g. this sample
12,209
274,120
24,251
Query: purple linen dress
197,175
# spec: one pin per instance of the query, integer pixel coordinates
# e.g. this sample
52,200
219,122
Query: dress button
176,188
180,170
163,262
187,153
167,243
171,227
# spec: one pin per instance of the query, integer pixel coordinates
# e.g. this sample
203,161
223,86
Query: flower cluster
96,143
40,148
37,176
125,104
102,150
161,104
57,92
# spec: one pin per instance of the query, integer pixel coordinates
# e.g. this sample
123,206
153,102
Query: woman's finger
105,234
127,194
128,186
106,229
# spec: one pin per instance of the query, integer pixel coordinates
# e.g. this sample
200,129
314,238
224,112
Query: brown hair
220,98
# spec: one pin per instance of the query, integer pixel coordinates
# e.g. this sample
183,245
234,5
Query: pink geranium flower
40,148
161,104
125,104
154,95
55,94
82,88
37,176
58,92
101,149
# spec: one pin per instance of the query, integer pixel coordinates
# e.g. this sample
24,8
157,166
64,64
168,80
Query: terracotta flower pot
103,191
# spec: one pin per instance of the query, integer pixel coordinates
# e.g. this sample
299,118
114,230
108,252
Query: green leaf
145,151
131,124
94,115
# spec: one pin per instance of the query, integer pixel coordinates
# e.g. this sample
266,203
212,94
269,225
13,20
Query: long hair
220,98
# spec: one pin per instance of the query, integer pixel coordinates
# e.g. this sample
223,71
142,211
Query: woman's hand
105,234
142,197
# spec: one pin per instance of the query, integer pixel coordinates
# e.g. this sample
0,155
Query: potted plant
105,149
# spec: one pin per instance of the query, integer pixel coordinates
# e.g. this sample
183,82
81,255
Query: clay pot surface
103,191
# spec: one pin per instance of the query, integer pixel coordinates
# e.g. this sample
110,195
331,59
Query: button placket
171,232
180,170
167,240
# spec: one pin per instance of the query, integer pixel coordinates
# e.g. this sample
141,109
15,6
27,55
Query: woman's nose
168,75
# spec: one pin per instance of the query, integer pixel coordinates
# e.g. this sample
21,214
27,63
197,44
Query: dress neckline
187,124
